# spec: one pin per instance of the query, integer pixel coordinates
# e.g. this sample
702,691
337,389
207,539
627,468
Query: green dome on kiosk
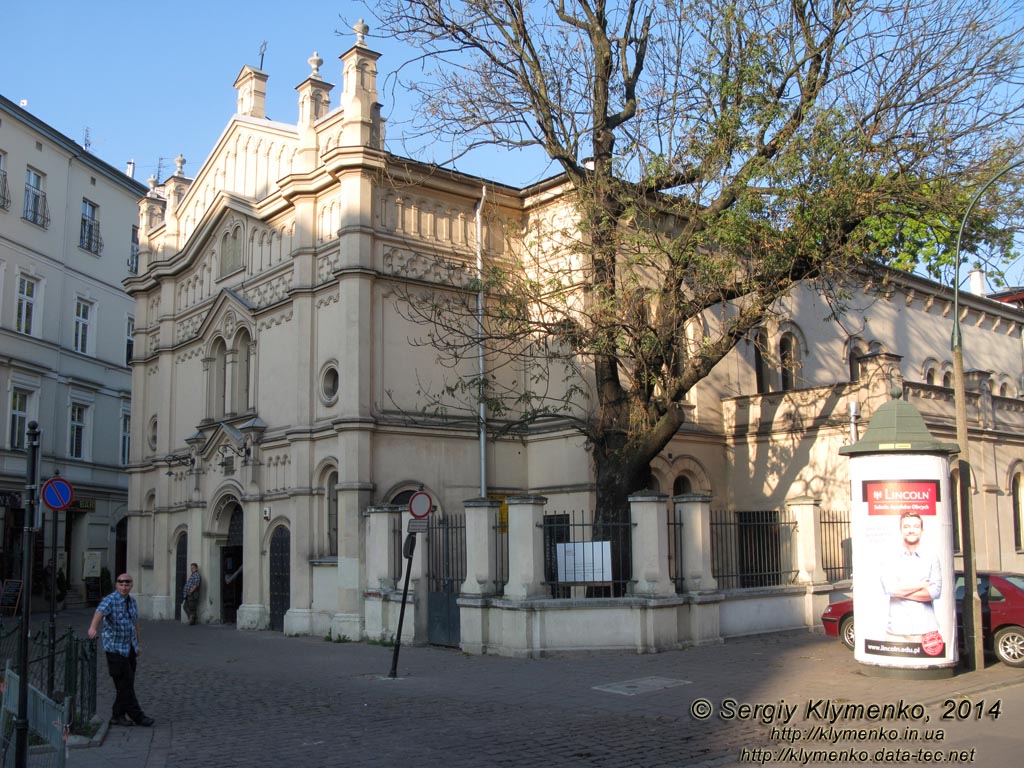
898,427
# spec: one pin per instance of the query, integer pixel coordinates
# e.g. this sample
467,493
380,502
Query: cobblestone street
227,698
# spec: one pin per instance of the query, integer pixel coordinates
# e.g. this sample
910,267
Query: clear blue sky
151,80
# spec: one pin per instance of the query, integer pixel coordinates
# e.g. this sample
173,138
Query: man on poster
912,579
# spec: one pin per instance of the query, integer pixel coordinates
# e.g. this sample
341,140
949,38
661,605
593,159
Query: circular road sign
420,505
58,493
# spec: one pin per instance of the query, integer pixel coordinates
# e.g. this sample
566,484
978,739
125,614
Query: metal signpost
57,494
31,486
419,507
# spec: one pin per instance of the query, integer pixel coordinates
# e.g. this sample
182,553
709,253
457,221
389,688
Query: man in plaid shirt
120,616
190,594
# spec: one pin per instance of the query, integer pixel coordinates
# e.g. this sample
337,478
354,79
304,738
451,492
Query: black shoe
145,721
122,720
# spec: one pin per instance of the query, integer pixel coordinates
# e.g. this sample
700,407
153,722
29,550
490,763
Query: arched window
230,252
243,372
332,513
856,352
947,379
762,373
1004,390
929,377
789,361
218,380
1018,512
682,485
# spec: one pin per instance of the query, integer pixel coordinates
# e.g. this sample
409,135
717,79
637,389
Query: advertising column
904,601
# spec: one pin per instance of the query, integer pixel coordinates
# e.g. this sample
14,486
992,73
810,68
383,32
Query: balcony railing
90,239
36,209
5,192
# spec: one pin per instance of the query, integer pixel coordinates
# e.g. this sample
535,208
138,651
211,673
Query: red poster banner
895,497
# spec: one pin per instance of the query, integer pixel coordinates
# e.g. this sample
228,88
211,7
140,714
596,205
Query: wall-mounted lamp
227,450
184,461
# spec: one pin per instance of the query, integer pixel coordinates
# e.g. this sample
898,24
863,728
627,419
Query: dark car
1002,615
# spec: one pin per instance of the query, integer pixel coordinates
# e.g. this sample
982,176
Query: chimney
977,282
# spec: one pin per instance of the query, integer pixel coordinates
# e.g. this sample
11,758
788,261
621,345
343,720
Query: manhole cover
641,685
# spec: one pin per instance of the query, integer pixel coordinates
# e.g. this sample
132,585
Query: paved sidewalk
227,698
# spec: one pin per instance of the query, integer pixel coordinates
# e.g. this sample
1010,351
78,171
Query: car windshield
1016,579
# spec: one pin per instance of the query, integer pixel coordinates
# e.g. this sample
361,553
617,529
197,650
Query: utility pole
27,541
972,604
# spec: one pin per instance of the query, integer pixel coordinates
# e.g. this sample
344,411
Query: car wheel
1009,646
846,633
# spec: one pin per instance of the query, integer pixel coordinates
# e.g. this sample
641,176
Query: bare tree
716,153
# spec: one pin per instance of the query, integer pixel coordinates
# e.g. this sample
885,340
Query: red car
1002,615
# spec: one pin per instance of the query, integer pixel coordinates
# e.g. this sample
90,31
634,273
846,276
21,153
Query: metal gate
180,573
446,570
280,577
231,569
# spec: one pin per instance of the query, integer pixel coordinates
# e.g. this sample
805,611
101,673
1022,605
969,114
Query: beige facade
68,234
280,405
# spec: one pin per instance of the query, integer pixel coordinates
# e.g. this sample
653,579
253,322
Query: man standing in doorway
190,594
120,616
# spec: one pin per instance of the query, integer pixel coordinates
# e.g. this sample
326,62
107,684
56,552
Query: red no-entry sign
420,505
57,493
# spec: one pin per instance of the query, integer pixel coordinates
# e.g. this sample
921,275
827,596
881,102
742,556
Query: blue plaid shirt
193,581
120,624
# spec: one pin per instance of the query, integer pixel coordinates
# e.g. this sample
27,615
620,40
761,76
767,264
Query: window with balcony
5,191
83,322
89,234
35,209
76,436
19,418
25,313
133,254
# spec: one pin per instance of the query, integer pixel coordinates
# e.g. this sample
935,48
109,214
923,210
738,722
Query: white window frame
129,342
77,430
16,440
25,311
5,189
133,253
89,235
126,437
35,190
83,337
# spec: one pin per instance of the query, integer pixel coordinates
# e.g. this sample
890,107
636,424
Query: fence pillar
380,553
693,511
806,512
525,547
650,545
481,547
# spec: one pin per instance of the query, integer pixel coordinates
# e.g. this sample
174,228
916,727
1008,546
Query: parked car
1002,615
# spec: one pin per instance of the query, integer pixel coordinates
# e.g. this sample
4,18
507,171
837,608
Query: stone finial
361,31
315,63
152,183
179,163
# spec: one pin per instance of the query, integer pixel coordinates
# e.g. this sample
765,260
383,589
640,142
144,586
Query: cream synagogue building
275,384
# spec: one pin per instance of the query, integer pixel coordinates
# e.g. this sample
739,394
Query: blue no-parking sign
57,493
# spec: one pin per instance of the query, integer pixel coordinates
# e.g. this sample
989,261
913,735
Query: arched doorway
180,572
280,576
231,569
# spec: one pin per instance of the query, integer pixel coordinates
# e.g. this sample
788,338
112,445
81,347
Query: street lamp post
972,605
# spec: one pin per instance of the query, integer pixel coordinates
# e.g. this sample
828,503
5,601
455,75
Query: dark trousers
122,672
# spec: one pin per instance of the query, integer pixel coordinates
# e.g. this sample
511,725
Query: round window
329,383
152,433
